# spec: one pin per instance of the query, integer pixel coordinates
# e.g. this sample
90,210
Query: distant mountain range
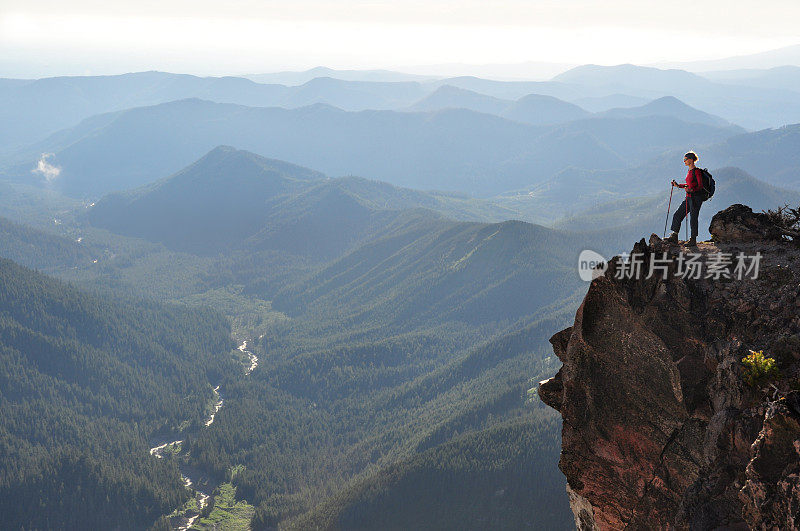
300,77
782,77
32,109
668,106
536,109
789,55
451,149
749,106
612,101
232,199
772,154
452,97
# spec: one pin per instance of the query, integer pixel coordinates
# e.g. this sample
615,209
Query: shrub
758,369
787,219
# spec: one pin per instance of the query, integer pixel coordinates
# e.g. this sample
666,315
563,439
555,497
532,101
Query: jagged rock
657,420
771,495
550,391
739,223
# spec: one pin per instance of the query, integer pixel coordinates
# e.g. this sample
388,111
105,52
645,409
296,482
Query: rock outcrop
660,429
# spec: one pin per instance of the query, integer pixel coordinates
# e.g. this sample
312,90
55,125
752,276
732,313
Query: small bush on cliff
787,219
758,369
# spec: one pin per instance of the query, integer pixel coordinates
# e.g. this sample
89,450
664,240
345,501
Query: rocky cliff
664,425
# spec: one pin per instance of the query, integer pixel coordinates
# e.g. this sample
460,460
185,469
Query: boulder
739,223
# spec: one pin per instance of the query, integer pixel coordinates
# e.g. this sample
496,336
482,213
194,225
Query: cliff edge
664,425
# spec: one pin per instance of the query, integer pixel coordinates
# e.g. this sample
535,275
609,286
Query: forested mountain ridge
209,206
41,250
84,383
480,480
232,199
418,330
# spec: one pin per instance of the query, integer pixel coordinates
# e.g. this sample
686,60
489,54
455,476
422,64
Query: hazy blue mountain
617,78
620,220
789,55
32,109
232,199
533,109
636,203
450,97
638,139
543,110
300,77
209,206
772,154
612,101
454,149
354,95
537,109
750,107
783,77
454,205
513,90
668,106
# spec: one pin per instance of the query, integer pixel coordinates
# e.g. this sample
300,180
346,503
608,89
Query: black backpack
709,185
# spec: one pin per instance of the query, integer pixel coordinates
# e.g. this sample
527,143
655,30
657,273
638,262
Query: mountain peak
230,163
668,106
206,207
452,97
667,100
663,427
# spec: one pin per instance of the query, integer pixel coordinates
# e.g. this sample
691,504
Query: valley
228,304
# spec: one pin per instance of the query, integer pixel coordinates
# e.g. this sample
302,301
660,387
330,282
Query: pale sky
44,37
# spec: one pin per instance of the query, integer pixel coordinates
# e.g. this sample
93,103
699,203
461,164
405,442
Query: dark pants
694,211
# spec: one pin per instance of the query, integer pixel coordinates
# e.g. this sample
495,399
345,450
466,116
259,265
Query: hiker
694,198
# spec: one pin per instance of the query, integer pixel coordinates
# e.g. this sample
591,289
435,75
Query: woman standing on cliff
693,201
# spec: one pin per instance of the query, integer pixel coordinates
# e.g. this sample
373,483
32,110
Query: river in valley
192,477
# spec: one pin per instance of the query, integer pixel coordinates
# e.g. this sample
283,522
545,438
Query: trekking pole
669,205
686,202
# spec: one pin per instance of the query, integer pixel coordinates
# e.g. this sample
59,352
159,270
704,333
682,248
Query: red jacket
694,180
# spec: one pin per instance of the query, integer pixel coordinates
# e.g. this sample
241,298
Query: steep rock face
659,428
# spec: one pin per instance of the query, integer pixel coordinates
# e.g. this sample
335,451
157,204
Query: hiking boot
673,238
692,242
